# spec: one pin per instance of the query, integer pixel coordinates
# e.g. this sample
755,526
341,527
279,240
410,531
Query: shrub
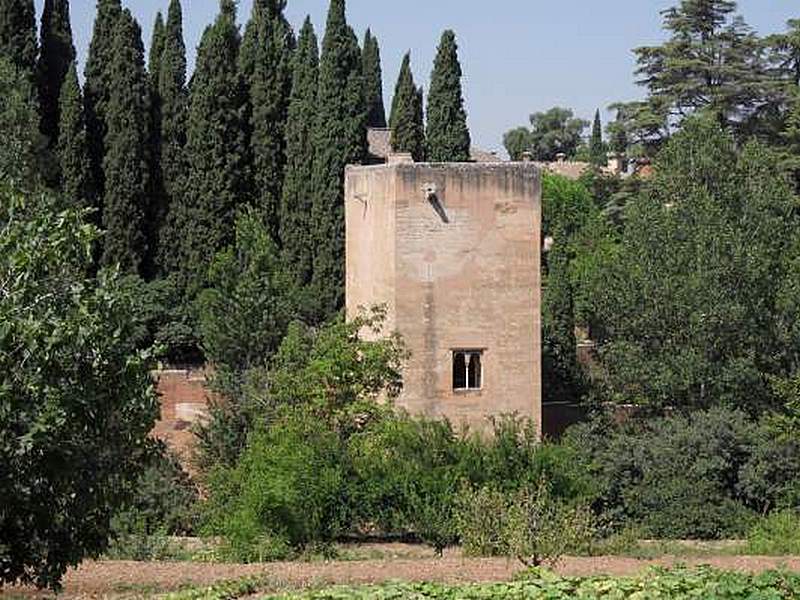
480,521
777,534
540,529
287,490
677,476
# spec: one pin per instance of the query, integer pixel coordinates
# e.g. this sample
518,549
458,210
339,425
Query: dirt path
142,580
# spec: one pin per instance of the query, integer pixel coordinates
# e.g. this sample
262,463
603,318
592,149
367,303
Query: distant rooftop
380,147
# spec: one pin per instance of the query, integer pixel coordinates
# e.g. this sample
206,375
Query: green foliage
73,145
296,232
76,398
448,138
18,35
97,86
406,119
126,163
553,132
171,94
226,590
55,59
19,124
163,504
539,529
679,477
373,81
702,582
692,309
265,64
215,182
244,313
777,534
157,42
340,138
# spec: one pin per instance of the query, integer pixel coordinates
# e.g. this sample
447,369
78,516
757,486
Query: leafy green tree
296,232
19,123
18,34
340,139
556,131
597,148
126,164
517,142
56,57
265,62
618,133
216,174
96,89
73,147
76,398
170,160
373,81
408,129
244,312
448,138
693,308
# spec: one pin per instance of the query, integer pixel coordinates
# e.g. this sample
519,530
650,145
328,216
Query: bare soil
123,580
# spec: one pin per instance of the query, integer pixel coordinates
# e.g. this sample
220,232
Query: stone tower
453,250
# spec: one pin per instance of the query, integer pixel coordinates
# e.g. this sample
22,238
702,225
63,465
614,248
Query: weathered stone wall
461,272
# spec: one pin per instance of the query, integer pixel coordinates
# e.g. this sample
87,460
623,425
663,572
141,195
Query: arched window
467,370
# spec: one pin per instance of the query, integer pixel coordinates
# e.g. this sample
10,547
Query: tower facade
453,252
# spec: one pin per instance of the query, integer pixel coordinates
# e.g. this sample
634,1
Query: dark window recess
467,370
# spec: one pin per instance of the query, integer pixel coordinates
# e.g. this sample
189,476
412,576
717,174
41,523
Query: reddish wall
184,401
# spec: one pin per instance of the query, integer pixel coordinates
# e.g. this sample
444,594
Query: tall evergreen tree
265,62
712,62
448,138
18,34
57,54
96,90
126,165
339,139
373,81
73,148
408,129
172,98
215,181
156,49
597,149
295,217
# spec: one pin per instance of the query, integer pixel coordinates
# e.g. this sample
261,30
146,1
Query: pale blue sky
518,56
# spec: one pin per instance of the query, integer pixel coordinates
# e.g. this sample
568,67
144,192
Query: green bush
287,490
676,477
777,534
480,521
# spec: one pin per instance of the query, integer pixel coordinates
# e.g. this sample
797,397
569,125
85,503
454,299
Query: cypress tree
373,81
57,55
448,137
597,149
96,88
156,49
265,62
339,139
18,34
172,97
126,166
408,130
298,190
73,148
216,172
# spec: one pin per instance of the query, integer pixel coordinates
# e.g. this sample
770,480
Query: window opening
467,370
